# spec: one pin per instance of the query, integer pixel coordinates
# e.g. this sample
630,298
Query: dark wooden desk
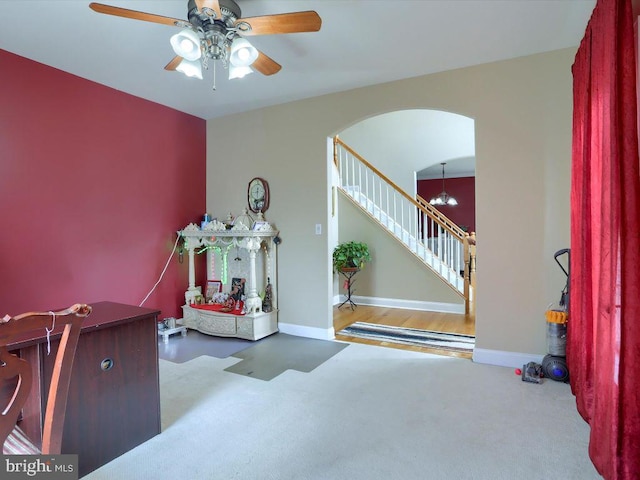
114,396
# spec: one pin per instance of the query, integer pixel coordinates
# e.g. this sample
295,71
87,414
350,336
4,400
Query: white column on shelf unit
191,243
211,255
253,301
192,292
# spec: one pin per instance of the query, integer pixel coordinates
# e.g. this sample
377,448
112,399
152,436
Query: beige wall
522,110
394,272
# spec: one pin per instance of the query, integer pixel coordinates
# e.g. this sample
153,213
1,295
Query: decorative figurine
267,305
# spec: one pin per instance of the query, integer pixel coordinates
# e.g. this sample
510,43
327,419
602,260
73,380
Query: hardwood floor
397,317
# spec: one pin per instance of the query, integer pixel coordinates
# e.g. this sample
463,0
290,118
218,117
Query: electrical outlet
318,229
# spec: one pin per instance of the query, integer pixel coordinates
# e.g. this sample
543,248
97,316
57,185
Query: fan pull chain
214,76
53,325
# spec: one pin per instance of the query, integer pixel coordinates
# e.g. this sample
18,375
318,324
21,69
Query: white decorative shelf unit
259,245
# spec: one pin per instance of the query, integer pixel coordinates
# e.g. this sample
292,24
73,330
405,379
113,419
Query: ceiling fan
216,30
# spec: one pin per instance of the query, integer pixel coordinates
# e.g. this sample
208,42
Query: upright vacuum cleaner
554,364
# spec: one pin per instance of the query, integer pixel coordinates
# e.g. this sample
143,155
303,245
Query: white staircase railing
426,232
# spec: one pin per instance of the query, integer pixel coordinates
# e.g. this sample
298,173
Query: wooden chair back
17,370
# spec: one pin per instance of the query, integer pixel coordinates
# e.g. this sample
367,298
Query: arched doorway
405,146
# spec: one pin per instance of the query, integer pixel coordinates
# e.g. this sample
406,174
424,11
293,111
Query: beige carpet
365,413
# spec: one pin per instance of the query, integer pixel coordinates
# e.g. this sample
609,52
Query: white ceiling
361,42
419,140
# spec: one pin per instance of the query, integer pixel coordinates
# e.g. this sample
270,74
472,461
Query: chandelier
443,198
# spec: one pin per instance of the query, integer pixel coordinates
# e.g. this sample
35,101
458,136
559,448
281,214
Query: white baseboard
405,304
504,359
308,332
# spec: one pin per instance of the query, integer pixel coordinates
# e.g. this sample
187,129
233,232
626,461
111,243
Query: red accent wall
464,191
94,184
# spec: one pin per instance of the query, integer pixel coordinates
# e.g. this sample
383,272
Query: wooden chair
17,370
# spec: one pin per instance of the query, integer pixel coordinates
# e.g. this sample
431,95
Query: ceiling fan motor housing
229,9
217,38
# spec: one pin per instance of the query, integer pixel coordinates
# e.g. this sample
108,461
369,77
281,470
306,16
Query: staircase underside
425,253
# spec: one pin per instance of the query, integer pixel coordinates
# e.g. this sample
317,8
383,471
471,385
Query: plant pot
349,269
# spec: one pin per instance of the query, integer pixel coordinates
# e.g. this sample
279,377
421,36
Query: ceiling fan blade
210,4
135,15
266,65
173,63
295,22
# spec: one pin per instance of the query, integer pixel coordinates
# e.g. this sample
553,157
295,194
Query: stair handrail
443,219
425,207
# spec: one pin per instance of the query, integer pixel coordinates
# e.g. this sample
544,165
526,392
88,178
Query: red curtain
603,349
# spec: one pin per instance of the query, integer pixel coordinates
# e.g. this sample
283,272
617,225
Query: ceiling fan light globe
242,53
452,201
190,68
186,44
239,72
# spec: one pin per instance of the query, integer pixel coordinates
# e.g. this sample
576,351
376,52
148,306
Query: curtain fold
604,308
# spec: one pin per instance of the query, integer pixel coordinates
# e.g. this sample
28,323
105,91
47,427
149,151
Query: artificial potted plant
350,255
